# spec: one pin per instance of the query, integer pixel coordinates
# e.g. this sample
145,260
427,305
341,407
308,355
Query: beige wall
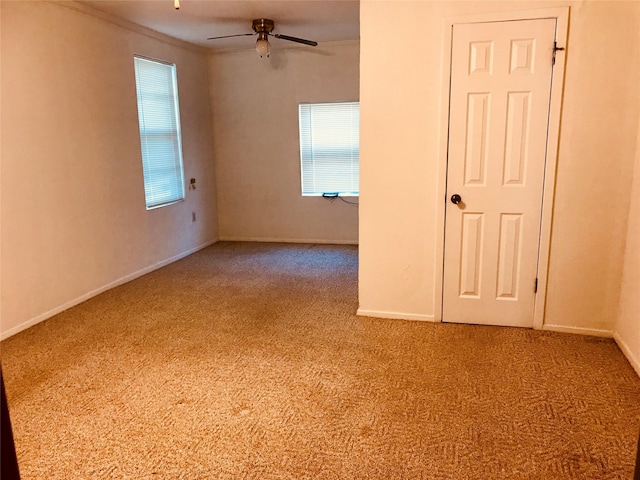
255,129
73,216
400,93
597,145
627,332
73,212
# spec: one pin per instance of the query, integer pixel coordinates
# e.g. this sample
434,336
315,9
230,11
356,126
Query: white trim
532,14
594,332
120,281
635,362
553,139
323,241
395,315
561,14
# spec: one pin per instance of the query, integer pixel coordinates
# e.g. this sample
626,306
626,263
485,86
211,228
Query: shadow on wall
8,458
636,476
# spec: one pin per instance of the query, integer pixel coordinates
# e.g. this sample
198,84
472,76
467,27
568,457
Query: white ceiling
319,20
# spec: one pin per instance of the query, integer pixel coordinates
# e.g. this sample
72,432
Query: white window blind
330,148
160,142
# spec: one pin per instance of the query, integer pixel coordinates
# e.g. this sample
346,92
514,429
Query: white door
498,118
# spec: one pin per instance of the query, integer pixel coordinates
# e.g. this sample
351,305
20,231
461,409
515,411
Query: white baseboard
396,315
289,240
594,332
120,281
635,362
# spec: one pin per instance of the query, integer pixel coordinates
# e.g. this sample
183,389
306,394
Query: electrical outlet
193,216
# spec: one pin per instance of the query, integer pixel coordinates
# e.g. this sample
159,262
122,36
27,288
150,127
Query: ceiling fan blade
295,39
229,36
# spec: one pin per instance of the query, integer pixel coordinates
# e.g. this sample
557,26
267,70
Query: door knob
456,199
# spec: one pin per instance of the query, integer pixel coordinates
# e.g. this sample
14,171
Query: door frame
561,15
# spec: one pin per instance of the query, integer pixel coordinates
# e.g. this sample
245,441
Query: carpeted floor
247,361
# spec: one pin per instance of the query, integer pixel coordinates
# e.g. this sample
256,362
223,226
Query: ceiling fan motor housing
263,25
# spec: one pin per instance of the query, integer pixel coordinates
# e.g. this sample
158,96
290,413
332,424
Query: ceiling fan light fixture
264,27
262,45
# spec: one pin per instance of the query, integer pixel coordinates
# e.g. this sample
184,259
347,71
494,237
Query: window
159,120
329,148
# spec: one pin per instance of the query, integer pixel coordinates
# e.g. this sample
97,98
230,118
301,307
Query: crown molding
128,25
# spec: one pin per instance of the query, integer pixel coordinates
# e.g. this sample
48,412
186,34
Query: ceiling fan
263,27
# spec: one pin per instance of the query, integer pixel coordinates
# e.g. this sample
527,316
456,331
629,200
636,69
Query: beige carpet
246,361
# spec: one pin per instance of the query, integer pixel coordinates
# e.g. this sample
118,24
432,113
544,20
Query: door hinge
555,49
535,286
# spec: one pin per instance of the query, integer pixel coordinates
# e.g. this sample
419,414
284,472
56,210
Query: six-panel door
499,106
